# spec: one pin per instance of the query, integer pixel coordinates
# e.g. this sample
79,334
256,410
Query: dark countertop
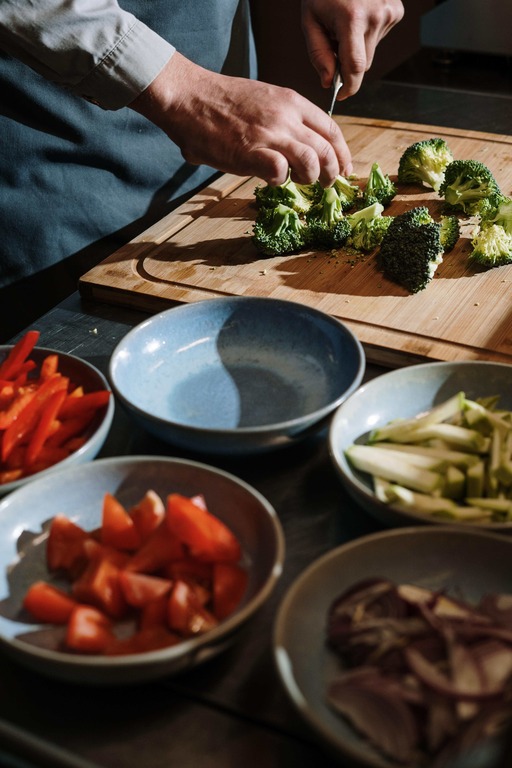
231,711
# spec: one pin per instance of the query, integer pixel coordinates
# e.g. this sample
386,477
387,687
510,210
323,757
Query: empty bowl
236,375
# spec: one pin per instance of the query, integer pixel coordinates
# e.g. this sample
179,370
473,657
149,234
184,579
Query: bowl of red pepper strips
55,409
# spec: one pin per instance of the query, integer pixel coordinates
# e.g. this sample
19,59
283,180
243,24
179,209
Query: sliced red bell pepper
18,354
44,426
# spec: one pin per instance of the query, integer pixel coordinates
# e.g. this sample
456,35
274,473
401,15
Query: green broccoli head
492,246
424,162
497,211
466,184
327,226
289,194
279,230
379,187
450,232
347,192
411,250
367,227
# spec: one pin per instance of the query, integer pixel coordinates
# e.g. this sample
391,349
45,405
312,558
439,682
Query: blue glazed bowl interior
240,363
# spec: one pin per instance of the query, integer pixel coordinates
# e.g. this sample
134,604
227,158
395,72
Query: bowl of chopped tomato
55,410
126,569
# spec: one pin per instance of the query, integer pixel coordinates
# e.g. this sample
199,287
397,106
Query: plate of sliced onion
396,648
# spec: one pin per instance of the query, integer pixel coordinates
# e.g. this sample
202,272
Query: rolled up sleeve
92,47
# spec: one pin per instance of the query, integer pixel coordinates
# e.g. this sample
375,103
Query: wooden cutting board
203,249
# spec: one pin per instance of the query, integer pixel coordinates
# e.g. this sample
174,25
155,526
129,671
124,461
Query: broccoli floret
424,162
411,249
498,211
379,187
327,226
289,194
347,192
450,232
492,246
367,227
466,183
279,230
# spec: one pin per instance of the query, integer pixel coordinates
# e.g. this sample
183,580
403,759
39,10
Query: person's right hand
243,126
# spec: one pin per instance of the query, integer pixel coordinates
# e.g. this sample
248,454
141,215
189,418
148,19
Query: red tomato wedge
229,585
99,586
117,527
186,613
140,588
148,514
159,549
48,604
89,630
206,536
154,613
65,545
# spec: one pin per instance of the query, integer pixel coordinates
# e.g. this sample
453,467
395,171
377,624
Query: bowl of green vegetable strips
430,443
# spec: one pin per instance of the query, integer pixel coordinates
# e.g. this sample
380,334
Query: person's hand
350,30
243,126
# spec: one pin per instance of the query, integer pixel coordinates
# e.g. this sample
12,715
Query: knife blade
337,84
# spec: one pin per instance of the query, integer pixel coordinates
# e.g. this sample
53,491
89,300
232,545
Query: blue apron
77,182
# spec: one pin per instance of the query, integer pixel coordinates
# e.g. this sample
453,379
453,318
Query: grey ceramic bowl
403,393
466,563
78,492
92,380
236,375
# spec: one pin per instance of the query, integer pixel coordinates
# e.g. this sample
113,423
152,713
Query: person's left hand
350,30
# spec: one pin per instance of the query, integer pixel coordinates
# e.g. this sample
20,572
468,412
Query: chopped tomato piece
95,550
99,586
141,588
147,514
159,549
154,613
88,630
149,639
207,536
185,612
190,569
117,527
229,585
65,545
48,604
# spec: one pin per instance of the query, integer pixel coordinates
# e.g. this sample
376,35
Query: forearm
93,48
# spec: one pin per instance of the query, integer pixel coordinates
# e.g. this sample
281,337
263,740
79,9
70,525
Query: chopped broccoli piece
424,162
327,226
411,250
289,194
498,211
450,232
466,184
348,193
279,230
379,187
492,246
367,227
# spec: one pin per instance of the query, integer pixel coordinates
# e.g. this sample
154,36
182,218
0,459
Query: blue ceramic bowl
78,493
236,375
81,373
404,393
